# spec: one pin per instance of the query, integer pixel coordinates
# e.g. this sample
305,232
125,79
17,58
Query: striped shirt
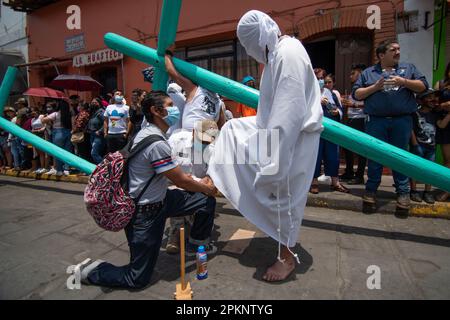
155,158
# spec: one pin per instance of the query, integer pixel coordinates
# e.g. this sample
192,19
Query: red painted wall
201,21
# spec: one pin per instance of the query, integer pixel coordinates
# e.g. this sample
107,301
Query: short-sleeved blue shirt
389,103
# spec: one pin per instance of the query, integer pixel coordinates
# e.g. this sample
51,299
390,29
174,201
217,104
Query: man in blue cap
242,109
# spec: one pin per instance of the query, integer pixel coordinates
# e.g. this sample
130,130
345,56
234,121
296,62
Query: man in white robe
272,194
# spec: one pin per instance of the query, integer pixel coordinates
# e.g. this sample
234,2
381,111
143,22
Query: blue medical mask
321,83
118,98
173,115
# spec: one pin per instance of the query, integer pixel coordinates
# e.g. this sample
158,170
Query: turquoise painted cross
356,141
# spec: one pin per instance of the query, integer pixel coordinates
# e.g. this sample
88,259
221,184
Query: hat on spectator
21,101
206,130
8,108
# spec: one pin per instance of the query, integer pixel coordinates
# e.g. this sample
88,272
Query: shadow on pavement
392,235
41,188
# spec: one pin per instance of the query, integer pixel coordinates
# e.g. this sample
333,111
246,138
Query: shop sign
101,56
75,43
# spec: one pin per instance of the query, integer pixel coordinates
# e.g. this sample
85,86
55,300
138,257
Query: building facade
13,47
334,32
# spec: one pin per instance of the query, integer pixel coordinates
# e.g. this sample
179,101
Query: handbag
77,137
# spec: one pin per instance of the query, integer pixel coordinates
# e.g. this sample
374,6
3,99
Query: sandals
340,188
314,189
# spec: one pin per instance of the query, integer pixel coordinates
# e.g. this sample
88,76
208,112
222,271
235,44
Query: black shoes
415,196
428,197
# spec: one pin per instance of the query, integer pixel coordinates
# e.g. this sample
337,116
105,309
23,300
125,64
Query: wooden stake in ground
183,289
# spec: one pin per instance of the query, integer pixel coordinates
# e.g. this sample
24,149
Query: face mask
321,83
173,115
118,98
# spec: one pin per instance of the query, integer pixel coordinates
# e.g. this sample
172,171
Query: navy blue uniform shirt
389,103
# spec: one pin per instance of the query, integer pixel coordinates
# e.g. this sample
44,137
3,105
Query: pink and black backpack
106,195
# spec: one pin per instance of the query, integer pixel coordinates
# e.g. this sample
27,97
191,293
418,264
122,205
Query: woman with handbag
38,128
61,133
95,129
80,136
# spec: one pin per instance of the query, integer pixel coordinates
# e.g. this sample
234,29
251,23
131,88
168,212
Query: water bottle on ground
202,259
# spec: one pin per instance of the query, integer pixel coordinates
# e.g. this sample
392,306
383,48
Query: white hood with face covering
256,31
272,194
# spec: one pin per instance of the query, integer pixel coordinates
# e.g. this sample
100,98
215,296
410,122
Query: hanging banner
96,57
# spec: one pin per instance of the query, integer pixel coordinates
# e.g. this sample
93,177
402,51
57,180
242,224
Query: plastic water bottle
386,75
202,259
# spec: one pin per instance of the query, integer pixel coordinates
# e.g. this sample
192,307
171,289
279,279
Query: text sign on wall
75,43
96,57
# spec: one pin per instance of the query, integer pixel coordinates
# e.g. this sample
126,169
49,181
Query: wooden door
353,48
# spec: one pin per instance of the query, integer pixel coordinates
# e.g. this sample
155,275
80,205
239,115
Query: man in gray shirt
145,230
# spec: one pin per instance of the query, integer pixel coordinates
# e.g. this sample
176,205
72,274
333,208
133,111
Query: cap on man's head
247,79
426,93
9,108
21,101
206,130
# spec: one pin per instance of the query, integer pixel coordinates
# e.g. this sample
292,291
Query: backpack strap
144,143
129,154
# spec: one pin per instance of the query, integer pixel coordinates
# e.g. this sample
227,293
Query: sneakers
52,171
403,201
428,197
40,171
59,173
173,243
86,269
415,196
191,249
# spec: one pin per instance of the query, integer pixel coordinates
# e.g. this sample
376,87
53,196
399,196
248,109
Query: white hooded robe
272,195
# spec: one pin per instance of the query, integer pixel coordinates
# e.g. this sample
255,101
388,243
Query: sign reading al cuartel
100,56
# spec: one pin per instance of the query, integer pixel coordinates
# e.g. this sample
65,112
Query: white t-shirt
117,115
56,119
192,156
36,123
205,105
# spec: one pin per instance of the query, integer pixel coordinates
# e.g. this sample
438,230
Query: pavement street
44,228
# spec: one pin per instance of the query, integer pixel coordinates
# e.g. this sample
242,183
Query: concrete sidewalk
386,199
325,199
44,229
75,178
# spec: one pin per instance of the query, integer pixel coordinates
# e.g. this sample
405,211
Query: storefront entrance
108,78
337,53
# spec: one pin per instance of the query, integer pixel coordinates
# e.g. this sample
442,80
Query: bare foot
280,271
